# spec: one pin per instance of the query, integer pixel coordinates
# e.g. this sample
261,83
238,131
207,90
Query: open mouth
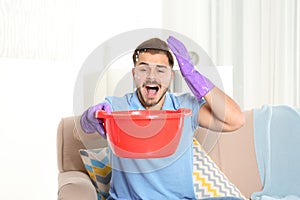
152,90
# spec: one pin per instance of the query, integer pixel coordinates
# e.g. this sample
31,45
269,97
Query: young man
169,177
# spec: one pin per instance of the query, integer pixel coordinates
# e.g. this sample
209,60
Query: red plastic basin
144,133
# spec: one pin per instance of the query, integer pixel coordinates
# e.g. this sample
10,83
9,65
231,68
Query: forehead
157,58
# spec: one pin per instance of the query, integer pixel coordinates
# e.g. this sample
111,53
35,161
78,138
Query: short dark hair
153,46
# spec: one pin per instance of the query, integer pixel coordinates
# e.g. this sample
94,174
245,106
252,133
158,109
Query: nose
152,73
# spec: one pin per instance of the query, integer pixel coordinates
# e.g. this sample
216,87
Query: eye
161,70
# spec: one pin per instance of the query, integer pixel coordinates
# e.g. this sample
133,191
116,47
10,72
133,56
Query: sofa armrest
75,185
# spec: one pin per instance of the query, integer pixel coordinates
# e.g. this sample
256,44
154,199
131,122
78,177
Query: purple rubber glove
89,123
199,84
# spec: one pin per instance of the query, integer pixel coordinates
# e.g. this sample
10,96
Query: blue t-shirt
156,178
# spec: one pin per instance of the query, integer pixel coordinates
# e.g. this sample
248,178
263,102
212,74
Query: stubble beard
146,103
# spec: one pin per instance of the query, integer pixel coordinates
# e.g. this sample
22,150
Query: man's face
152,75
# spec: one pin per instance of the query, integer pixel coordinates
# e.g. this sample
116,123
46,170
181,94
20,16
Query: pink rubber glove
199,84
90,123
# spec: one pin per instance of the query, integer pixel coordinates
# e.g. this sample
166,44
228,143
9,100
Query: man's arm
220,112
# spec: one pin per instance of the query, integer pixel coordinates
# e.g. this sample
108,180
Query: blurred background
43,45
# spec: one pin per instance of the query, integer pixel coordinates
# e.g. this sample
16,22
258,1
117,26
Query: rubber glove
89,123
198,83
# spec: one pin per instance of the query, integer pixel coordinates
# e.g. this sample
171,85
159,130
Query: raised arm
220,112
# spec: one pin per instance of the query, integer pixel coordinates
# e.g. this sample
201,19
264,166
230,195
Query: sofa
233,152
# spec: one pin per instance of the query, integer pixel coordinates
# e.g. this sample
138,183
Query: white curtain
38,29
271,52
260,38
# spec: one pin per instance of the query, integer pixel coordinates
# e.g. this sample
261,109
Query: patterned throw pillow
96,162
209,181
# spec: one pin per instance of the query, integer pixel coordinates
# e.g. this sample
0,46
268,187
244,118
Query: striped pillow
209,180
96,162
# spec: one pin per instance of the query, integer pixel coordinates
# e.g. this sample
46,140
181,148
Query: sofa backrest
71,138
234,153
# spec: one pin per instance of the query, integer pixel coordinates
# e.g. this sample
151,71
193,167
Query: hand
90,123
199,84
182,55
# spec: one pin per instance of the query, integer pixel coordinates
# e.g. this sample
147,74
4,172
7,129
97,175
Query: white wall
42,47
35,94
